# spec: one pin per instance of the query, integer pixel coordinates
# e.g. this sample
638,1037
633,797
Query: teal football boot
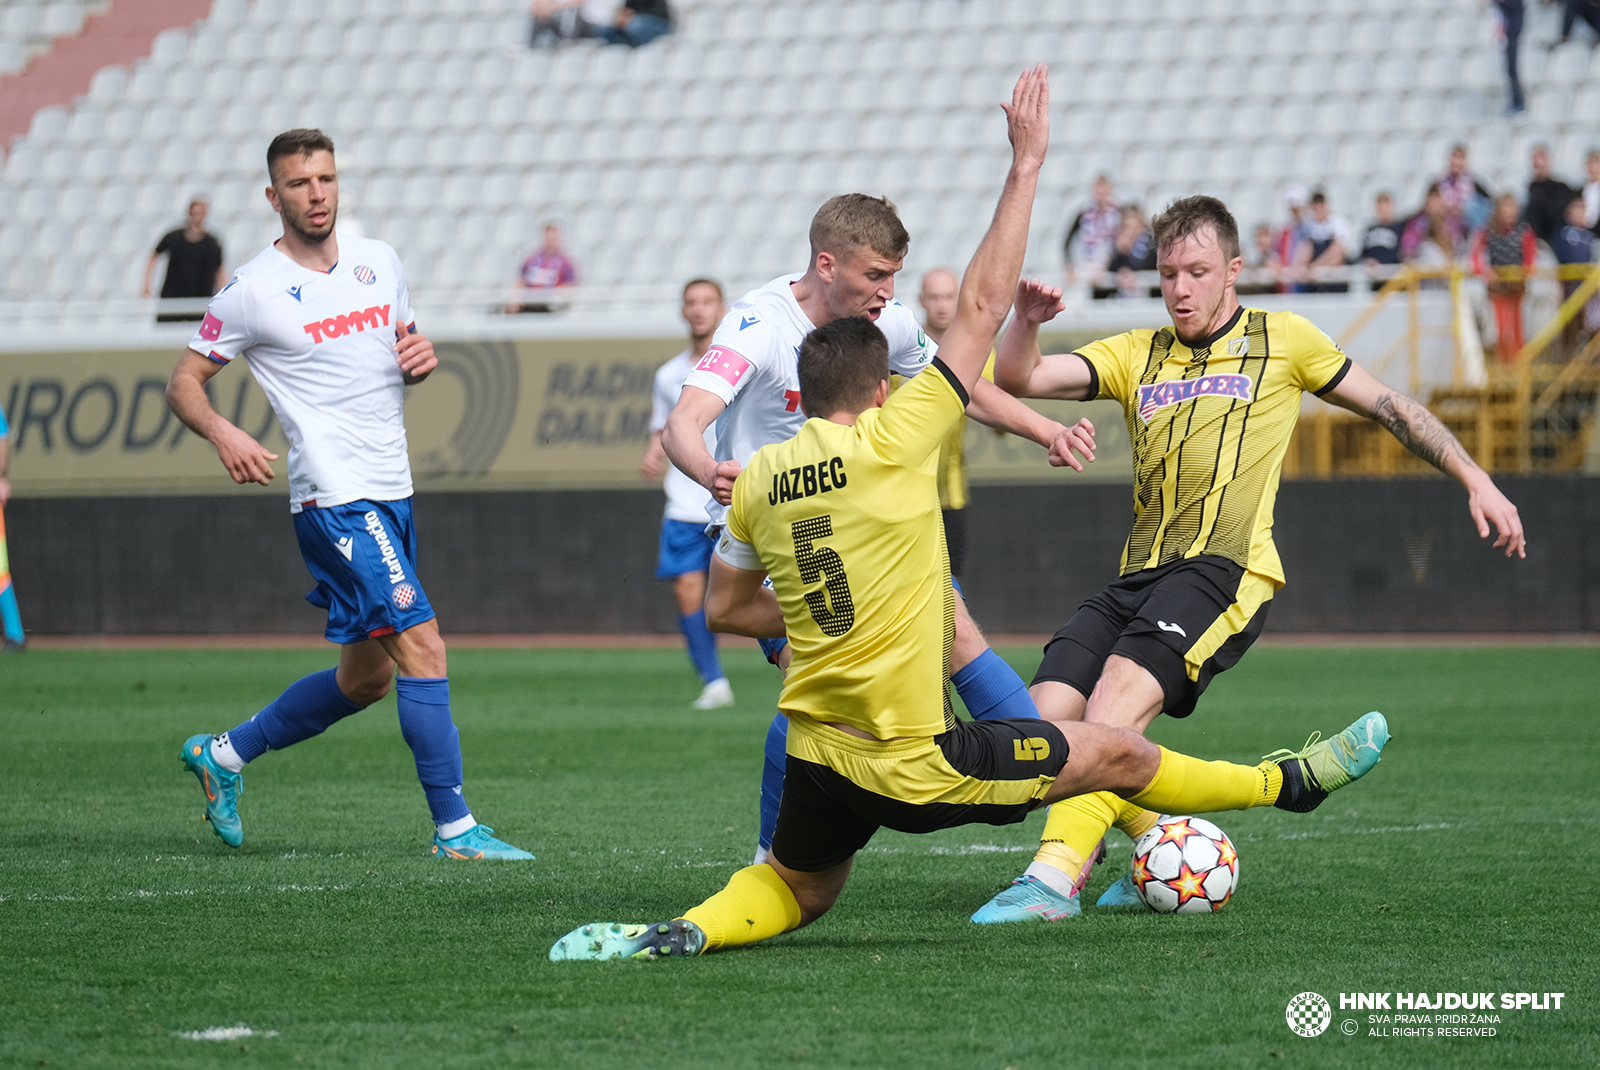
222,788
1028,899
1318,769
600,941
1121,894
478,842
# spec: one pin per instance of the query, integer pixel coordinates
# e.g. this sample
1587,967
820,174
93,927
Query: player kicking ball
861,585
1210,403
325,325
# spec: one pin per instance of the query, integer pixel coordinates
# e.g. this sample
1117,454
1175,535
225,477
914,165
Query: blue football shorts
685,547
363,557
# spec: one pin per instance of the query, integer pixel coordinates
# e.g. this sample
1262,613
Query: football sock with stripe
1073,829
992,689
754,905
306,708
776,760
435,743
702,645
1185,785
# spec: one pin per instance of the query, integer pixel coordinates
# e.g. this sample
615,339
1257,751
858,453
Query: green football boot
600,941
222,788
1318,769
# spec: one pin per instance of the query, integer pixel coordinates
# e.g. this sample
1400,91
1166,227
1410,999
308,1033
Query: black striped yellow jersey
1210,424
845,520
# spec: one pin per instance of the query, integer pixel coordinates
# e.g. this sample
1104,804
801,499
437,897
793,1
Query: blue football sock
305,709
9,616
992,689
777,759
435,743
702,645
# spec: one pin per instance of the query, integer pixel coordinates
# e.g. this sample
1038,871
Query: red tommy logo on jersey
723,362
1155,396
339,326
210,328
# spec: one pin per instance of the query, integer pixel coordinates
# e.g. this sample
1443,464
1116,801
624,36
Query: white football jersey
753,363
686,499
322,347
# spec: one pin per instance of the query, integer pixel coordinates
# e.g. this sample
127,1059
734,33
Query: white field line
227,1032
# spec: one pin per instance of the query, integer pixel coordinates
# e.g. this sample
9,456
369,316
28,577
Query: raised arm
1020,369
987,284
243,457
1421,432
684,439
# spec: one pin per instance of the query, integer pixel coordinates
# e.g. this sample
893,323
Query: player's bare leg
990,687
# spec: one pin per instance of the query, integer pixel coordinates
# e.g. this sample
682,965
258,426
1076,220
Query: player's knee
1131,759
366,687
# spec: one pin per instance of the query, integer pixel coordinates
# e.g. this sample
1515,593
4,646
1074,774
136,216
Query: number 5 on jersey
815,562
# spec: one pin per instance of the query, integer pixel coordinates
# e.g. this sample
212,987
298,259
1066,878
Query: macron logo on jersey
1155,396
747,321
723,362
339,326
210,328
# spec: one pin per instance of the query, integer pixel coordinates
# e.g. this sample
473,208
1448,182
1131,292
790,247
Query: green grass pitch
1467,862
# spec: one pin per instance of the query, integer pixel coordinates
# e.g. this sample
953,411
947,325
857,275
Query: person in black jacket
638,23
1548,198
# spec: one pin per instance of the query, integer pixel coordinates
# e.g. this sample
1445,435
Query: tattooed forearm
1421,432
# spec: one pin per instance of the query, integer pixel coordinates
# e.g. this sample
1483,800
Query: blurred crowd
1461,223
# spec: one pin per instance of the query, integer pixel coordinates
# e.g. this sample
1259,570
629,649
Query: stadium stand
708,150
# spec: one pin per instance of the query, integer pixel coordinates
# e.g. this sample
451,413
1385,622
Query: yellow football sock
1185,785
1135,820
1072,832
755,904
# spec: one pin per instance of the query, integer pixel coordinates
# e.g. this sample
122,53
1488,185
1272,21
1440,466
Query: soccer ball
1185,865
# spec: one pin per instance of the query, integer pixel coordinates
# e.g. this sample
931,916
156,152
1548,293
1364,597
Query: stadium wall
1362,556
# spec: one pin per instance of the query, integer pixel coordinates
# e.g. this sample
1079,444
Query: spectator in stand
1576,244
1511,31
1380,245
548,269
1325,248
1431,239
1503,252
194,264
1093,234
1548,198
1591,193
1132,252
1286,242
1258,277
638,22
1571,12
1468,200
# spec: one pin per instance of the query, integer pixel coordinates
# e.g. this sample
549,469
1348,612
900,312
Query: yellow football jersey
1210,425
846,522
952,452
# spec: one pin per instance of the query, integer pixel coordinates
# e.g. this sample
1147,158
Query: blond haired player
844,518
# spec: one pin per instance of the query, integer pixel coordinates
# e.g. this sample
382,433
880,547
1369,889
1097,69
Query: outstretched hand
1028,116
1036,302
1080,438
1489,506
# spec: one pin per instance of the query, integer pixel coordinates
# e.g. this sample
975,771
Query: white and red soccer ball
1185,865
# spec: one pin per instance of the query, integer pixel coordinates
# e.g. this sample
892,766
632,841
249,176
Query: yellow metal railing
1535,412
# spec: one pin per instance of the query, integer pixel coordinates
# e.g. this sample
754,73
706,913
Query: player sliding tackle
861,585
